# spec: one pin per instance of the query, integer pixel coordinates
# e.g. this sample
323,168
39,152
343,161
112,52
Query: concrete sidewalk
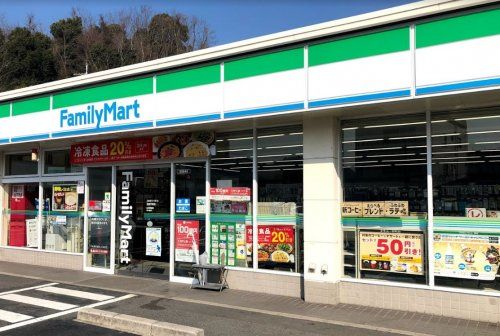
383,320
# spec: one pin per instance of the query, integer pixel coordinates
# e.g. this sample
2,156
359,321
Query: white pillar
322,195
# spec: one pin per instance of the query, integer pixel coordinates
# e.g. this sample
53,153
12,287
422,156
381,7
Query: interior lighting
462,162
388,155
435,153
457,157
374,149
349,128
487,142
483,132
411,164
271,135
296,133
274,155
231,158
457,144
367,140
394,125
404,160
408,137
286,146
477,118
234,150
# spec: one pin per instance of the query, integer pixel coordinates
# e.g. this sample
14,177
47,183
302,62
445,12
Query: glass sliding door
190,215
143,221
98,245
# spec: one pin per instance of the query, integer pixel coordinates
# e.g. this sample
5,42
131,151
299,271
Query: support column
322,226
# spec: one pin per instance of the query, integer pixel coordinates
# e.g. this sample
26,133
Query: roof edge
350,24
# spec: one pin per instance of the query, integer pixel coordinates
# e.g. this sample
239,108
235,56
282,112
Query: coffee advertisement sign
398,252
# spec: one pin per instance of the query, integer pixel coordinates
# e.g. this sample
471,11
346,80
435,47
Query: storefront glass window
58,162
384,210
63,216
99,217
21,215
20,164
230,200
144,204
190,216
466,188
280,206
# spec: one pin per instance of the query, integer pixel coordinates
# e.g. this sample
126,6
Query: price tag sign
398,252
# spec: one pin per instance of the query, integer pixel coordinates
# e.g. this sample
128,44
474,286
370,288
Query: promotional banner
468,256
231,194
153,241
112,150
196,144
65,197
276,243
99,235
399,252
187,240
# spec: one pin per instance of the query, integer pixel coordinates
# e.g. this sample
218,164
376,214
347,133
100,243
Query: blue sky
230,20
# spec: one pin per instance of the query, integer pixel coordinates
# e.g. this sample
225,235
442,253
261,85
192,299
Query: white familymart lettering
124,218
95,115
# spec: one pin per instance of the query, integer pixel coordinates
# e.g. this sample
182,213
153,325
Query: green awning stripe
124,89
459,28
4,110
380,43
264,64
188,78
31,105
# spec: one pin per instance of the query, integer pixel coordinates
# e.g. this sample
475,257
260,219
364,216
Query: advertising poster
276,243
65,197
467,256
398,252
153,241
196,144
112,151
187,240
99,235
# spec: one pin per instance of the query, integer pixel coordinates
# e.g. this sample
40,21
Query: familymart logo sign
99,115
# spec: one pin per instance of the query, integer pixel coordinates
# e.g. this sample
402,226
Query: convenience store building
355,161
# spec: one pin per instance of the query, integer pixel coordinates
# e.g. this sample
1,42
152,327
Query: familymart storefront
351,162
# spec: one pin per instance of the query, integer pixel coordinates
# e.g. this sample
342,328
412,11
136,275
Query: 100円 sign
399,252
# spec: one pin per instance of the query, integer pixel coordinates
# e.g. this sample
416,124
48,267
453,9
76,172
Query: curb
135,325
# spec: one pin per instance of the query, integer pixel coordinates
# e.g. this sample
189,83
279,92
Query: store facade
353,161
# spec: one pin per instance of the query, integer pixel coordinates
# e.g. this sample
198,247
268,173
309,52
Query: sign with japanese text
396,208
112,150
467,256
352,209
187,240
373,209
65,197
182,205
399,252
231,194
276,243
99,235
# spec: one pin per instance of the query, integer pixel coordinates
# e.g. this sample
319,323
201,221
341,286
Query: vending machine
19,204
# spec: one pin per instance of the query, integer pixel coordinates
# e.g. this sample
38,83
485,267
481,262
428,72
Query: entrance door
143,221
190,216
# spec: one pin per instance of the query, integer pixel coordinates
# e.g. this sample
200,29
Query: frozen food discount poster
468,256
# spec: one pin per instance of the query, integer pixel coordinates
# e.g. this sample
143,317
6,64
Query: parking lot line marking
29,288
75,293
71,311
37,302
12,317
